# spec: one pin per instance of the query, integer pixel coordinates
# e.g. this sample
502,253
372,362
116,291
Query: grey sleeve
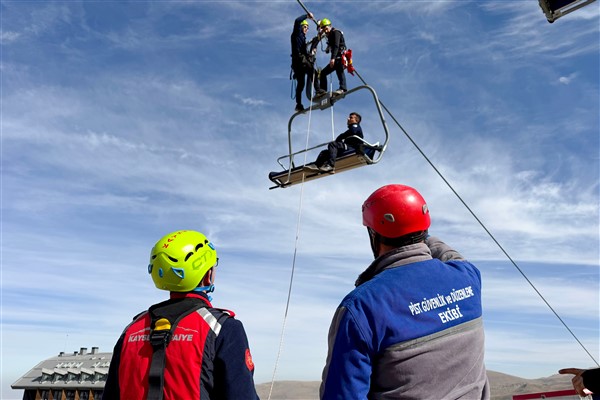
441,250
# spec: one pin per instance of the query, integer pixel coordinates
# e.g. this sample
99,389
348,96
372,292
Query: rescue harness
161,333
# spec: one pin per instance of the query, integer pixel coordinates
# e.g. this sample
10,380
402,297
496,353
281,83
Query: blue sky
123,121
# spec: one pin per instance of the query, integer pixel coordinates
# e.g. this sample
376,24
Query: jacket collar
401,256
196,295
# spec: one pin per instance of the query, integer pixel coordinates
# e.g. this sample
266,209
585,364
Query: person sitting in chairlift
326,159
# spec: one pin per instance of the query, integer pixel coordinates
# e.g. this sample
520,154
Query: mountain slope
503,386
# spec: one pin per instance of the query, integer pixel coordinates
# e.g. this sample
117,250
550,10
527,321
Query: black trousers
338,67
301,73
328,156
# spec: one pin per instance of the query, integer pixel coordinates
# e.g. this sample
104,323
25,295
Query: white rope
332,122
289,295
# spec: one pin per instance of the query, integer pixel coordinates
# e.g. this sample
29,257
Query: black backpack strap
160,336
159,339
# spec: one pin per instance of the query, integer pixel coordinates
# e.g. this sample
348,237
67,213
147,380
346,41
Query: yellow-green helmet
305,22
179,260
324,22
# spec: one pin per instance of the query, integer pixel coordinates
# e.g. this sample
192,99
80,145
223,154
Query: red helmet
395,210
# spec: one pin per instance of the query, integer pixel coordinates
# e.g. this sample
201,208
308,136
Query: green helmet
324,22
305,22
179,260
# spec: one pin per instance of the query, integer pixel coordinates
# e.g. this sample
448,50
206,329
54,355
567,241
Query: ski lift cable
483,226
297,238
306,11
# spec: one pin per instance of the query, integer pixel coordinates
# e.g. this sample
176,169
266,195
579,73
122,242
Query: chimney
94,350
82,351
62,353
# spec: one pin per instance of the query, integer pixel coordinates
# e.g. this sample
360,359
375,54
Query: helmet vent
199,246
179,272
188,256
172,259
389,217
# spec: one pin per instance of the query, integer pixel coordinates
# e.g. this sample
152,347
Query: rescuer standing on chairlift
182,348
302,62
336,45
412,328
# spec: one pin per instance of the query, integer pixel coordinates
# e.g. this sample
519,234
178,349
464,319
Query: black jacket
591,380
336,43
353,130
298,41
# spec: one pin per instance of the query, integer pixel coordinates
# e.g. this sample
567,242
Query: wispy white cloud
565,80
526,354
250,101
7,37
576,300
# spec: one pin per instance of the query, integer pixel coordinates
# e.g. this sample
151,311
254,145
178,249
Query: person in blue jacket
325,161
412,328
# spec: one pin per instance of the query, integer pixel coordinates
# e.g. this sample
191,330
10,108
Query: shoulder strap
160,336
215,320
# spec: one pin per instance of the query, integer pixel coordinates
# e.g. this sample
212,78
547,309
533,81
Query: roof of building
79,370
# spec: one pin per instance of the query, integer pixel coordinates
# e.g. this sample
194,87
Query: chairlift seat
347,160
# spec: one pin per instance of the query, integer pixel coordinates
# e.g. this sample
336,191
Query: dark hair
357,116
411,238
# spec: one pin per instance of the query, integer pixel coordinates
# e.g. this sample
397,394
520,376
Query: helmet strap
205,289
375,240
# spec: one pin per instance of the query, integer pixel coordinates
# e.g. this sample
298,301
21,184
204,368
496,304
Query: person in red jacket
182,348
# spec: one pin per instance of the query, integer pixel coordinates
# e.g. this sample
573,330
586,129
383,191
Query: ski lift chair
366,154
554,9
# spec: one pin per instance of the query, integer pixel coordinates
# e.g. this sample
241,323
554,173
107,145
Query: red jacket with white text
207,357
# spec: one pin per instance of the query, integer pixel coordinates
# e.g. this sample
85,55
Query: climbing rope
297,238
